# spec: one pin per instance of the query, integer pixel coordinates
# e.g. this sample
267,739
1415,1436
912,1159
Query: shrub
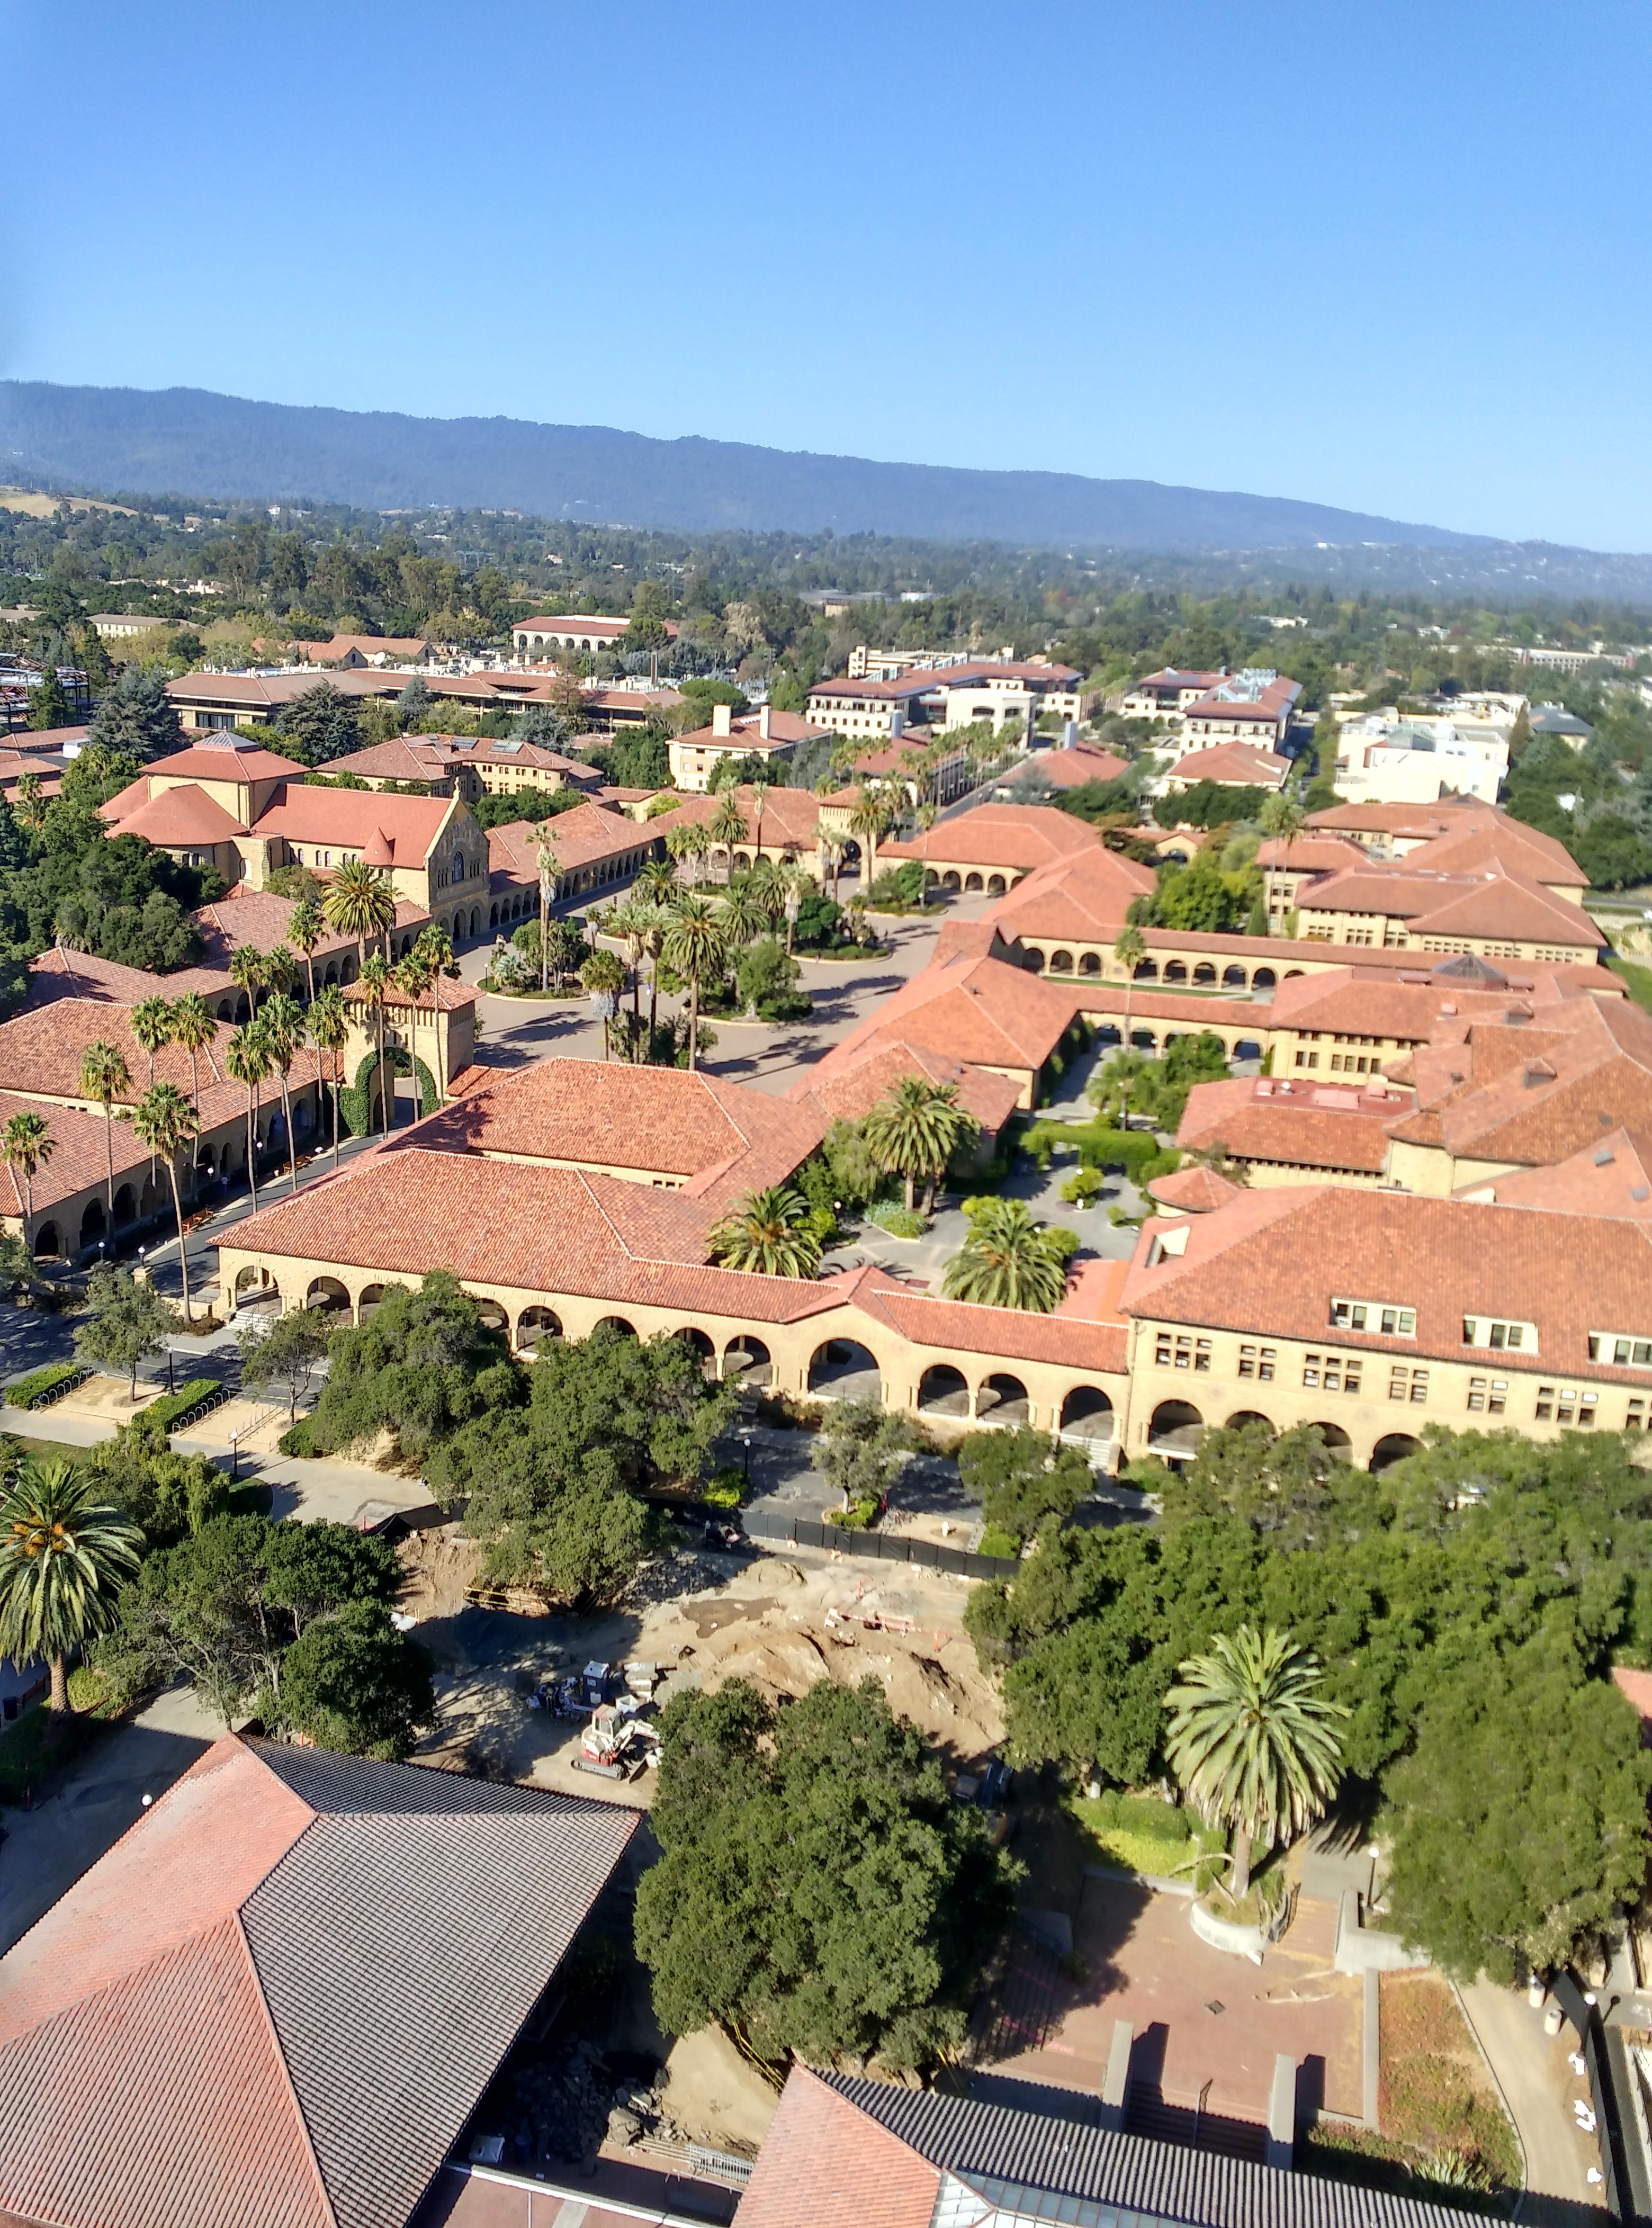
860,1516
28,1389
994,1540
165,1411
724,1487
1081,1188
899,1221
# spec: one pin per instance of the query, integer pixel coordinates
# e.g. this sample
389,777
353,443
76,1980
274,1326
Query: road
1537,2083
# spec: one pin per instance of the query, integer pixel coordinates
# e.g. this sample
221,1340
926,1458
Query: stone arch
146,1199
492,1316
746,1360
247,1279
843,1369
1002,1399
327,1296
1291,973
95,1224
1147,970
476,920
534,1326
48,1244
950,879
943,1391
698,1343
1061,963
371,1301
1087,1414
617,1325
125,1205
1091,964
1175,1431
328,979
226,1010
1336,1441
995,886
1175,970
1242,1417
1205,972
1034,961
1264,979
493,916
1393,1447
1142,1039
1233,978
972,882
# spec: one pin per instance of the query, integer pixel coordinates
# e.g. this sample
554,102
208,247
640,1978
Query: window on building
1488,1396
1621,1348
1387,1318
1180,1351
1258,1361
1511,1337
1410,1384
1635,1419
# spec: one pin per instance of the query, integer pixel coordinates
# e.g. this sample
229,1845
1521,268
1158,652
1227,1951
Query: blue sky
1390,256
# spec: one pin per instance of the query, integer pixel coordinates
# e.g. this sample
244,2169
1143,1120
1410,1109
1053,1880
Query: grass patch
1141,1834
1373,2161
43,1449
724,1487
899,1221
1638,978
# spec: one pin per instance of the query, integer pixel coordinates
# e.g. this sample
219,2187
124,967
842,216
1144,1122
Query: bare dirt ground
783,1623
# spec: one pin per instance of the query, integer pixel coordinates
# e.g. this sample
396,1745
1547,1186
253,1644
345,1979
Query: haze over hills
186,439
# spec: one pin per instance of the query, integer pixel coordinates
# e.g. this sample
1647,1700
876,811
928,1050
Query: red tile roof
1067,769
1014,836
1535,1093
579,837
348,819
1233,764
980,1011
226,761
849,1093
825,2164
790,817
1292,1125
174,817
1083,899
1611,1177
41,1050
1308,854
1196,1190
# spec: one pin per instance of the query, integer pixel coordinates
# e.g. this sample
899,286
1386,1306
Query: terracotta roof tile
1193,1191
1066,769
1309,1128
980,1011
1020,837
1611,1177
1236,765
825,2164
1083,898
579,837
172,816
848,1094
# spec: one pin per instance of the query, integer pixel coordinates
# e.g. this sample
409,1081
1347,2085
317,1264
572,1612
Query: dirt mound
439,1566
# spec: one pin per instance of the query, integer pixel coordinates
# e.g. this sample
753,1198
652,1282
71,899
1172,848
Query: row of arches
839,1368
1145,1037
968,883
136,1202
1176,1429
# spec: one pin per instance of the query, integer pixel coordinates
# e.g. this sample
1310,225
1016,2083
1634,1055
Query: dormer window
1386,1318
1502,1336
1621,1348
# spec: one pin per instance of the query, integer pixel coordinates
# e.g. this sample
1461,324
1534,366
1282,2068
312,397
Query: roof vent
1639,1192
1604,1159
1536,1072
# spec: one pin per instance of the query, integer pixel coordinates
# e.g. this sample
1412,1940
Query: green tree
1008,1260
727,828
350,1681
770,1232
693,945
1022,1477
373,990
48,703
329,1028
360,902
323,721
26,1146
246,972
103,1076
246,1060
151,1022
915,1130
285,1352
283,1026
128,1322
861,1447
63,1554
137,718
424,1365
1252,1742
306,930
819,1891
165,1120
194,1027
603,976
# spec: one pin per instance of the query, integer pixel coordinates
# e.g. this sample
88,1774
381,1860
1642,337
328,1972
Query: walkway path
1538,2085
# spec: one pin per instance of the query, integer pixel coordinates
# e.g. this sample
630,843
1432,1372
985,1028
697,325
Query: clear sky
1375,252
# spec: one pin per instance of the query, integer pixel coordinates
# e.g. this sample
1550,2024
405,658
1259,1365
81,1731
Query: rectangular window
1636,1420
1544,1409
1498,1399
1247,1362
1418,1388
1399,1384
1477,1395
1375,1315
1621,1348
1310,1370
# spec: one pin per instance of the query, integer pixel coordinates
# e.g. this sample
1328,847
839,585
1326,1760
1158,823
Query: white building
1382,761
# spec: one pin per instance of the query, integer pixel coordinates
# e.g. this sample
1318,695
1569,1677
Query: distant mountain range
184,440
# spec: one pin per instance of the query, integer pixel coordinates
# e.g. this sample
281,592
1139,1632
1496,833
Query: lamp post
234,1457
745,1452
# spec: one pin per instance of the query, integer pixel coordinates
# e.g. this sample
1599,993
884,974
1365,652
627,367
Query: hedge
358,1102
165,1411
28,1389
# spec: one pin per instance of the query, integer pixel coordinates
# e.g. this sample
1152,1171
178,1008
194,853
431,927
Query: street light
745,1451
234,1457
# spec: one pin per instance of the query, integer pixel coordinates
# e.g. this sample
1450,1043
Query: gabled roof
790,816
980,1010
1613,1177
1292,1124
1235,764
261,2008
1083,899
848,1094
1014,836
348,819
1195,1190
1536,1092
1303,855
579,837
1068,768
226,761
174,817
1505,843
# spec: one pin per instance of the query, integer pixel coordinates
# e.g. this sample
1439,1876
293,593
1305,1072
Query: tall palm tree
769,1232
371,991
759,798
280,969
742,918
729,827
194,1027
1252,1744
151,1022
869,820
103,1076
306,928
630,924
329,1030
415,976
915,1131
657,880
603,975
1006,1261
247,1057
63,1555
437,946
283,1024
247,973
686,844
360,902
544,854
166,1123
694,946
1129,949
26,1146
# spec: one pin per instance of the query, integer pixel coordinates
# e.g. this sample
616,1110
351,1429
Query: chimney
722,719
897,721
763,726
1070,736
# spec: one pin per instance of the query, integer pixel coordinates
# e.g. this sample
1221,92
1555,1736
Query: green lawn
44,1450
1638,978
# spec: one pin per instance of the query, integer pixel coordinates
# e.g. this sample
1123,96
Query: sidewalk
1537,2085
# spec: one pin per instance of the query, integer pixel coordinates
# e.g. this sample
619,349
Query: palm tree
769,1232
693,945
306,927
247,973
371,990
26,1146
915,1131
283,1024
759,798
166,1123
868,821
103,1076
360,902
194,1027
1252,1742
546,854
247,1056
412,979
729,827
63,1555
280,969
630,923
150,1021
795,886
1006,1261
437,946
603,976
742,918
1129,949
329,1030
657,880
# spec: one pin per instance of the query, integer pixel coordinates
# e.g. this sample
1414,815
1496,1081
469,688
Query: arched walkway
1091,964
534,1325
1175,1431
843,1369
1001,1399
327,1297
972,882
493,1318
1393,1447
943,1391
1335,1440
698,1343
1175,970
1061,963
95,1224
1233,978
371,1301
125,1205
48,1244
1242,1417
616,1325
746,1360
1264,979
1087,1416
1034,961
